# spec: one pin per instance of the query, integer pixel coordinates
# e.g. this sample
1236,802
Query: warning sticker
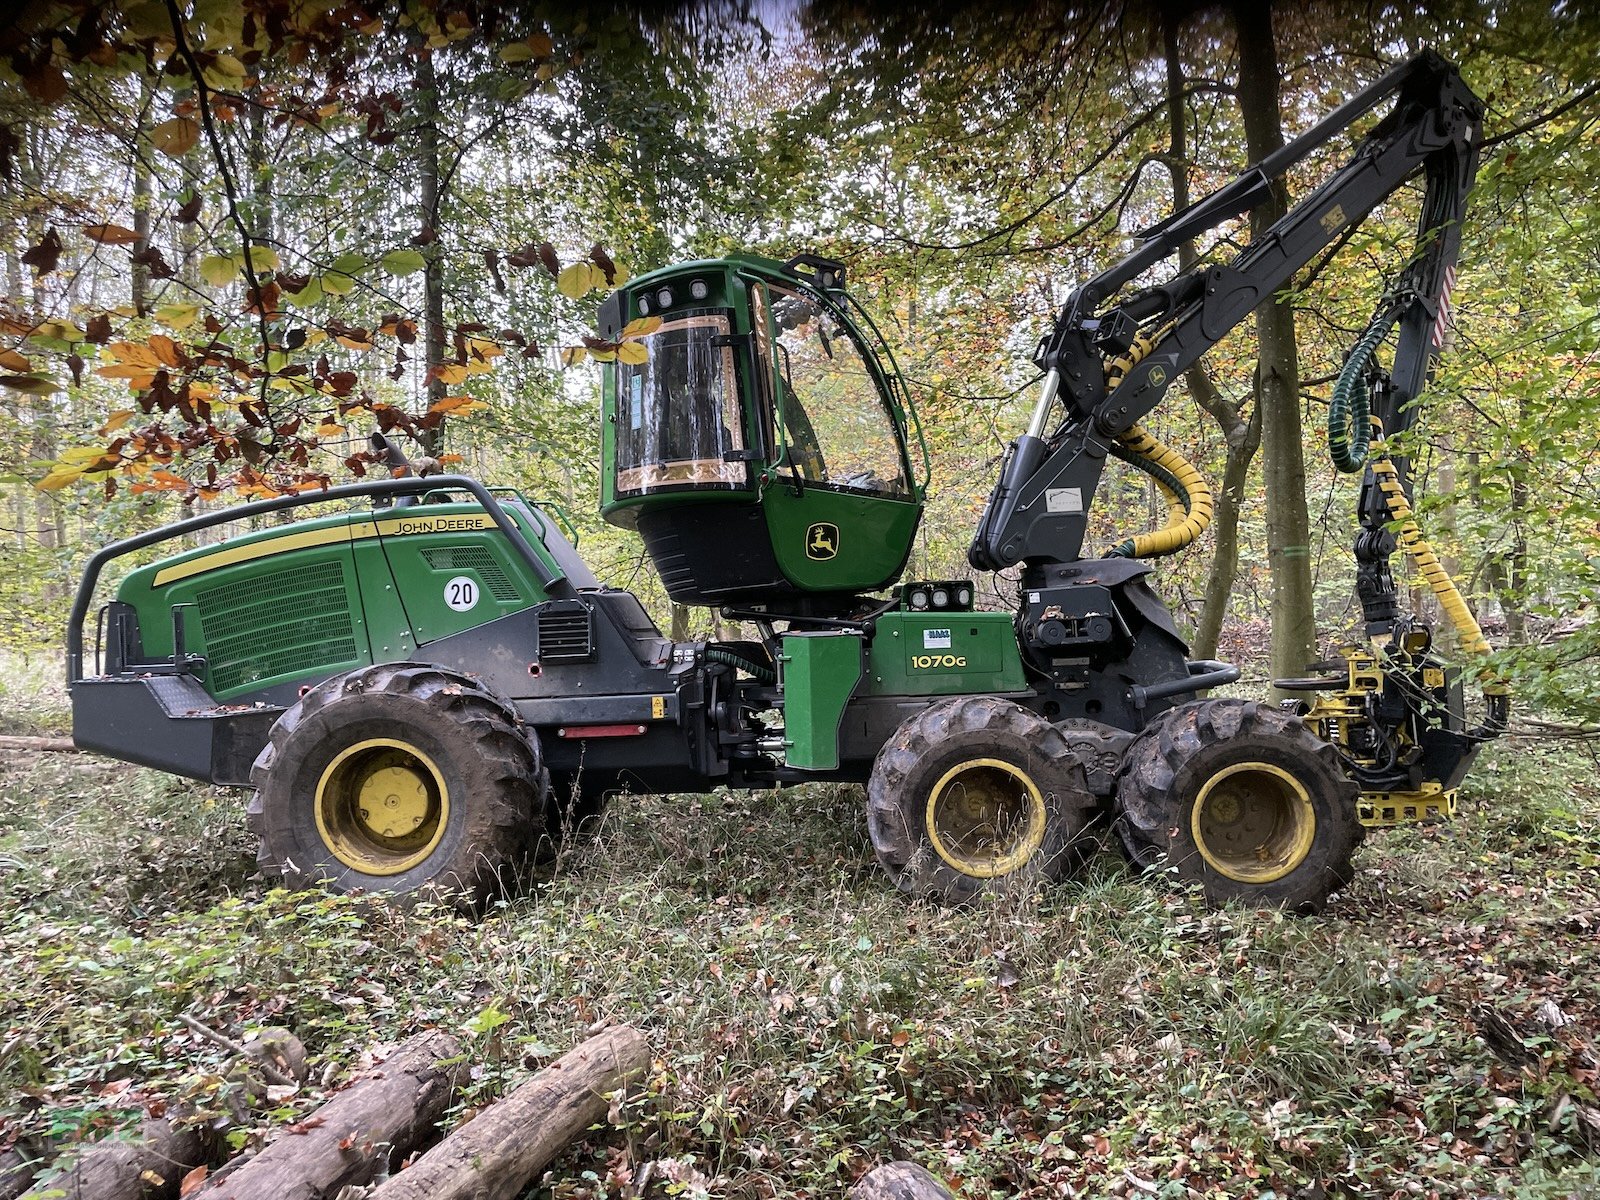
936,639
1063,500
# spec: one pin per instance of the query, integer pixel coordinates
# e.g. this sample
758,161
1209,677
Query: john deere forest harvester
426,680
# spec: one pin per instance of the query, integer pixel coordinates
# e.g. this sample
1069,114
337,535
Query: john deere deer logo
822,540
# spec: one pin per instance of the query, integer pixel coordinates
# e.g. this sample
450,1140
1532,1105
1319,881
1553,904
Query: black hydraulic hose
1349,419
763,674
555,584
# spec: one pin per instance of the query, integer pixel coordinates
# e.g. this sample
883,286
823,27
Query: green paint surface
820,673
825,537
943,654
322,596
863,543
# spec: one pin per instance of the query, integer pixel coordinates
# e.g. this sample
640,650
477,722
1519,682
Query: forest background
238,237
228,259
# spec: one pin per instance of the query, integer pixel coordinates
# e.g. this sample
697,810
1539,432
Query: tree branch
230,189
1534,123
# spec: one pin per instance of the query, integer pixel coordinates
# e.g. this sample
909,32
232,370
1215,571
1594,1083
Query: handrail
1204,673
554,583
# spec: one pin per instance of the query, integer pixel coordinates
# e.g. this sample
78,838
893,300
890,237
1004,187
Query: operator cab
757,436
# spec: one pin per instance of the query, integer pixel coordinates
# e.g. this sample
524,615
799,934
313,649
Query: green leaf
403,262
350,264
219,270
577,280
334,283
178,316
490,1019
310,294
263,259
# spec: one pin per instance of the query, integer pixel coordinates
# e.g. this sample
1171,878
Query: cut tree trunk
154,1164
150,1166
898,1181
496,1154
377,1120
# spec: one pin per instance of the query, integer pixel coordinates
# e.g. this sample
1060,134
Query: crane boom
1112,355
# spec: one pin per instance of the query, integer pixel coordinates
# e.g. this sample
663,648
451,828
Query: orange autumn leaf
456,404
111,235
166,350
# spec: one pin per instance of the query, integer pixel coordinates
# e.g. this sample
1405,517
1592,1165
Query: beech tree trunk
139,277
899,1181
1241,436
377,1120
1294,631
129,1170
428,178
496,1154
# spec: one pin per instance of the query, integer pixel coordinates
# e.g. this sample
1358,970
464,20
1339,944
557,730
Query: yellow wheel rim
381,806
1253,822
986,817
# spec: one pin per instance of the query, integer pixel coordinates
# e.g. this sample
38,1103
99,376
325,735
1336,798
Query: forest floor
1435,1033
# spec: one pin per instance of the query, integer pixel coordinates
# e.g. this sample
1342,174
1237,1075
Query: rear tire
975,794
1242,799
398,778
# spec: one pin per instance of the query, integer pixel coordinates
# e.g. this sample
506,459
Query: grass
1107,1037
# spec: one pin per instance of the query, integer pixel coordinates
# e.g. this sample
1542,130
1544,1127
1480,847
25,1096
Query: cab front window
677,417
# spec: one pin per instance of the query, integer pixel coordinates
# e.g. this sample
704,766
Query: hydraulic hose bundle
1355,440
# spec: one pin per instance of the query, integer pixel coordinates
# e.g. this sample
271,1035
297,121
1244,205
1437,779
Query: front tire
1242,799
398,778
974,794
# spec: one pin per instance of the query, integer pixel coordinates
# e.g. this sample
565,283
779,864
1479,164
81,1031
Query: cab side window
838,432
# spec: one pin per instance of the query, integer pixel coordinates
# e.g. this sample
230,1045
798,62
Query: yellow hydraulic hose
1421,553
1180,483
1188,504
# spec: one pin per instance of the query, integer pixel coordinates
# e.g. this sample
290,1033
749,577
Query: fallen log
899,1181
373,1123
269,1046
150,1165
496,1154
17,1170
12,742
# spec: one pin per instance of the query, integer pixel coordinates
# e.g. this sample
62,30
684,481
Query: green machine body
758,436
262,613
